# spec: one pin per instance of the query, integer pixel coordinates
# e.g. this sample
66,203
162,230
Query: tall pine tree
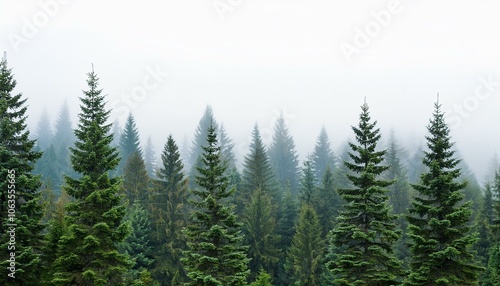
306,252
18,190
169,210
257,174
323,156
88,253
283,157
439,219
365,228
129,143
215,255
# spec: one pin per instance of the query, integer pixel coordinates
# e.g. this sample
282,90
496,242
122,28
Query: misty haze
230,142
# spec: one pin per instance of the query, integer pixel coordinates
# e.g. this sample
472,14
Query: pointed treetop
4,58
92,67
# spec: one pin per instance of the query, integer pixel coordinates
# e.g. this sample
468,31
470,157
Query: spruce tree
18,190
308,182
88,253
200,137
323,156
137,245
327,202
439,219
306,252
215,255
365,228
226,148
135,180
129,143
150,158
283,157
257,174
169,212
43,131
260,234
399,195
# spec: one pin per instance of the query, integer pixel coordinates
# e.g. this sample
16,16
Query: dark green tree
88,253
215,255
135,180
492,273
137,245
169,210
260,234
18,190
323,156
283,157
439,232
306,252
129,143
257,174
366,229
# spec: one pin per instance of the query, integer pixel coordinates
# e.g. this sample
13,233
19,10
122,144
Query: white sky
258,58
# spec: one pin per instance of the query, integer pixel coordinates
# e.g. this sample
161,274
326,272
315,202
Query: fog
313,61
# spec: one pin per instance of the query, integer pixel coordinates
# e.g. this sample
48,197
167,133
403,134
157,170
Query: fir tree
399,194
283,157
88,254
439,232
49,169
215,255
365,228
264,279
18,190
150,158
260,227
257,174
327,202
169,211
226,148
323,156
135,180
137,245
308,182
43,131
200,137
57,228
63,129
129,143
306,252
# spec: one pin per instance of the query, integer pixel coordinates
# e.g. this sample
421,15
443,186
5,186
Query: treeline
94,208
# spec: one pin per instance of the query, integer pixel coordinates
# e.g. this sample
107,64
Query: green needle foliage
365,229
439,232
88,253
169,210
306,252
17,157
215,255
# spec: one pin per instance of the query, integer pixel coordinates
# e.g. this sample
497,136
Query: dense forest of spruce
95,208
